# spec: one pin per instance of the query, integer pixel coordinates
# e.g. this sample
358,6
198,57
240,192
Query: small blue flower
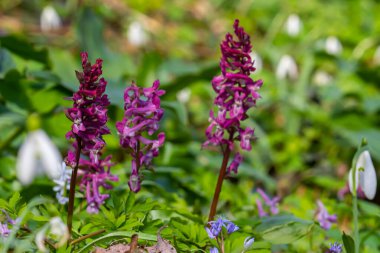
214,228
214,250
335,247
248,242
231,227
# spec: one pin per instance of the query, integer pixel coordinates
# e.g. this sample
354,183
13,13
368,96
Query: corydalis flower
142,114
272,203
236,94
324,218
89,117
215,227
4,229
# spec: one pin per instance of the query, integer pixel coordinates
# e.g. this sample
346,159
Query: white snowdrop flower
63,184
257,61
37,155
49,20
322,78
287,68
183,95
376,56
365,179
293,25
56,229
333,46
137,35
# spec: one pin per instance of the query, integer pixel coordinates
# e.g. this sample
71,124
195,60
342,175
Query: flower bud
293,25
365,178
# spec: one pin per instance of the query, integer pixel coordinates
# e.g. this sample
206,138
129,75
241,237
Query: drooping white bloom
322,78
293,25
183,95
37,155
287,68
333,46
257,61
137,35
63,184
56,229
365,179
49,20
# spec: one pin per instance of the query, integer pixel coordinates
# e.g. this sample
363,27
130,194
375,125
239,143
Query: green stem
356,223
70,208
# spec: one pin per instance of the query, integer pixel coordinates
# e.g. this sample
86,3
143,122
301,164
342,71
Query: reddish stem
222,174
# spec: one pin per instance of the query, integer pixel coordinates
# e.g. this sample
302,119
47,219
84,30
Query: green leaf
283,229
13,90
21,47
348,243
6,62
13,201
130,202
179,109
369,208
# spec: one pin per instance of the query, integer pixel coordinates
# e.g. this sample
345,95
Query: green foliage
307,130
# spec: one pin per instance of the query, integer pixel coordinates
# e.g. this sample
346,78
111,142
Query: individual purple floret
335,248
215,227
4,229
236,94
325,220
271,203
89,117
142,114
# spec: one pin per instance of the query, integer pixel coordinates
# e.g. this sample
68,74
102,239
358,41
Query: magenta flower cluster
89,117
236,92
142,114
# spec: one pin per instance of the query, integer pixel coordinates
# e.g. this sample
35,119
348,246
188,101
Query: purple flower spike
236,94
89,117
325,220
335,248
271,203
142,113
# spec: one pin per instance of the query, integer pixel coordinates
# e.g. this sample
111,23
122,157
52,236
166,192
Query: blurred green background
308,122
